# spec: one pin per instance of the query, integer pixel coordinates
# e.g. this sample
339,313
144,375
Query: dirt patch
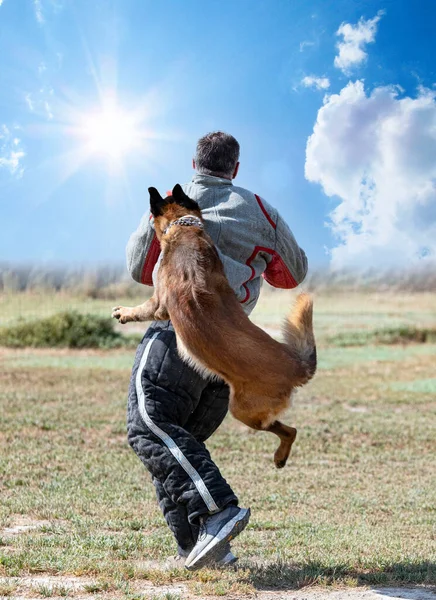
38,586
35,587
356,409
44,586
351,594
22,524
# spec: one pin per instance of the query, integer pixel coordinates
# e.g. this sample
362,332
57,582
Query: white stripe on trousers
167,440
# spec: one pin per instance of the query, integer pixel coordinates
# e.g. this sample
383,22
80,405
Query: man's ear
181,198
156,202
235,172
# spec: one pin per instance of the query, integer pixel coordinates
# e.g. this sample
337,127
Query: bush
68,330
395,335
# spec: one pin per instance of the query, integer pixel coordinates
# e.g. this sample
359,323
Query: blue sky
333,104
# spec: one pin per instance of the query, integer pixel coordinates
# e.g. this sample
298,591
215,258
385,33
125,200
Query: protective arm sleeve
288,266
142,252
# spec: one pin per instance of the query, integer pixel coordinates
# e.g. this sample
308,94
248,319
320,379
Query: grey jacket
251,237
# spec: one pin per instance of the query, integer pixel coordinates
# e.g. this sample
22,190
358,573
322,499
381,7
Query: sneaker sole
227,561
215,548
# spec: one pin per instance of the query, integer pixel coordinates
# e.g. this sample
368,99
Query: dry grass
355,505
335,313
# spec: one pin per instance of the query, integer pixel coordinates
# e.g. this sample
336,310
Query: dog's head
165,210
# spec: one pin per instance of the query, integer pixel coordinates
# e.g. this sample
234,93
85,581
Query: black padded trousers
172,410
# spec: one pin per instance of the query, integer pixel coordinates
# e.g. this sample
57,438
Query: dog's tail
299,338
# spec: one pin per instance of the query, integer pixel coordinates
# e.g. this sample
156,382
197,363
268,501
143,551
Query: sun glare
110,132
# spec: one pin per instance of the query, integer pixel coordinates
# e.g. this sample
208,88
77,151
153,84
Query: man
172,409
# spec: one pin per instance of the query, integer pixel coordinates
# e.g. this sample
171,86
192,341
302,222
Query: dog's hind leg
287,437
286,434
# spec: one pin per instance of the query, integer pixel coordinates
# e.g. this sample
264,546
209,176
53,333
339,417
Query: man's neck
214,175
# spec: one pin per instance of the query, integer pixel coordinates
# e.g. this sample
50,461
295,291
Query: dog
214,335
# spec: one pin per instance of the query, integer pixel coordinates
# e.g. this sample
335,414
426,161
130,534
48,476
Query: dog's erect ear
156,202
181,198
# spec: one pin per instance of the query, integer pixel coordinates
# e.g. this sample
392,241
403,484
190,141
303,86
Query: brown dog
213,333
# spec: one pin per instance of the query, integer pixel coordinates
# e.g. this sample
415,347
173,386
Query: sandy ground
28,588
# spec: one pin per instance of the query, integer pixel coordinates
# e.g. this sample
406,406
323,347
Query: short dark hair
217,154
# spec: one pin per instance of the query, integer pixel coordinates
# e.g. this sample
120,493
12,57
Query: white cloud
377,154
48,110
11,153
320,83
306,44
48,6
41,102
37,5
355,38
29,101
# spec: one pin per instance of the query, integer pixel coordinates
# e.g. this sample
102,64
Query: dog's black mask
178,196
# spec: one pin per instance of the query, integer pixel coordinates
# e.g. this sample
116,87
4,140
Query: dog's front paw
123,314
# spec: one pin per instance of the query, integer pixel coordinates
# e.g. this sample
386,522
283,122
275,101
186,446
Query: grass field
354,506
334,312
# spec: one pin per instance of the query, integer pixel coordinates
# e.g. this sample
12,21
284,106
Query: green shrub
66,329
394,335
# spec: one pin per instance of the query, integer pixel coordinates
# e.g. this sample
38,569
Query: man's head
217,155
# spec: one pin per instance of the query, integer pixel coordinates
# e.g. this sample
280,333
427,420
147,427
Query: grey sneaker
225,559
216,531
228,559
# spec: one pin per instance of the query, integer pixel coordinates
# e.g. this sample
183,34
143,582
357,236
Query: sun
111,135
110,132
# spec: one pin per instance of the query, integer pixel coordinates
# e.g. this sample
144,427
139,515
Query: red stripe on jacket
150,262
263,209
276,274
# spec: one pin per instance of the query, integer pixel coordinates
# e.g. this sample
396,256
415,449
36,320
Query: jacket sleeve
288,266
142,252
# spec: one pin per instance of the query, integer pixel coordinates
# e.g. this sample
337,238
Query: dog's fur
213,332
